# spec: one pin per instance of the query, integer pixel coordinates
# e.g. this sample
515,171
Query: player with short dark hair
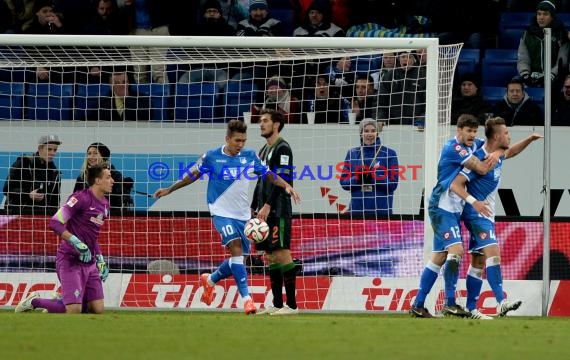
479,193
230,168
445,210
80,266
273,205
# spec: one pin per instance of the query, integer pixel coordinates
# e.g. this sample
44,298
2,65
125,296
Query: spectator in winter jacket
517,107
318,22
470,100
370,173
33,184
530,62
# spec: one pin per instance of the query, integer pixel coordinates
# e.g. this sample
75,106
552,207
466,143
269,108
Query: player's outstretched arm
520,145
458,187
186,180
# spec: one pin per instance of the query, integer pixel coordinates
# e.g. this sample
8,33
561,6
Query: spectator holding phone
33,184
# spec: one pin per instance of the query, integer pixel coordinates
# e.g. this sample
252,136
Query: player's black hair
95,172
236,126
491,124
276,116
467,120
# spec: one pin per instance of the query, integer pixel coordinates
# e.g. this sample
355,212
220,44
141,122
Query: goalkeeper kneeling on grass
80,266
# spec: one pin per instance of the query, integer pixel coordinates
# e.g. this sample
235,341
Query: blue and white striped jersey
453,155
228,181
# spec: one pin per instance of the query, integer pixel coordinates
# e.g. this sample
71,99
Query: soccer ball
256,230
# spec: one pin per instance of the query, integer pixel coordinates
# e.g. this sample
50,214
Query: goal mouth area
185,122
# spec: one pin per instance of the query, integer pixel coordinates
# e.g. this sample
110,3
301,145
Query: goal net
181,92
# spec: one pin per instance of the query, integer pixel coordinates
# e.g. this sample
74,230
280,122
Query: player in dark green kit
273,206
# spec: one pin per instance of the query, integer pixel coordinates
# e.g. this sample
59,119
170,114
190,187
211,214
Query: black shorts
279,235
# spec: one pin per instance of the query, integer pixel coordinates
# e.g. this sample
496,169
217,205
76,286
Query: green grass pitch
216,335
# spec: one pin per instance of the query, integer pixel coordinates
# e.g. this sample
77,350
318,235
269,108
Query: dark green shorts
279,235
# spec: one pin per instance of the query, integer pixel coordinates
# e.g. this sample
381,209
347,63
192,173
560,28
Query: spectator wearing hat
211,23
318,22
469,100
339,9
370,173
47,21
517,107
530,62
278,97
260,22
120,198
34,182
105,18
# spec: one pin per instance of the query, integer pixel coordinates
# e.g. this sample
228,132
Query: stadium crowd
478,25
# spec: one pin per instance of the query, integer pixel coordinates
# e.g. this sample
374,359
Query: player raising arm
444,212
230,168
80,266
479,192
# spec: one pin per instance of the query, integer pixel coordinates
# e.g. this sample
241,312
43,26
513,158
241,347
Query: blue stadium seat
518,20
12,74
474,54
159,95
287,18
11,101
239,96
469,62
499,66
501,54
86,98
366,64
510,38
466,65
565,18
498,73
536,94
493,94
50,101
195,102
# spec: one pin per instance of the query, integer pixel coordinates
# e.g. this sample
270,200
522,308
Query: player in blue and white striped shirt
479,192
230,168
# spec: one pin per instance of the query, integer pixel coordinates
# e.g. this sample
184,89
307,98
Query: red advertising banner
386,248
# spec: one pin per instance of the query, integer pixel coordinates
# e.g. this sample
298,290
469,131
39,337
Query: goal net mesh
179,99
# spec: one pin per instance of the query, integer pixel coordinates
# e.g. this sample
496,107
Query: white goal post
148,142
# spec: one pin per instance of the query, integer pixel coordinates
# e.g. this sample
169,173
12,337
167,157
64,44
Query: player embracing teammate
446,207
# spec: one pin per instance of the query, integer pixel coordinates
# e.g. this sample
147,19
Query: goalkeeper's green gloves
84,252
102,266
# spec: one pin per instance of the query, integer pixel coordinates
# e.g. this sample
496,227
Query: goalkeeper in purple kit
80,266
